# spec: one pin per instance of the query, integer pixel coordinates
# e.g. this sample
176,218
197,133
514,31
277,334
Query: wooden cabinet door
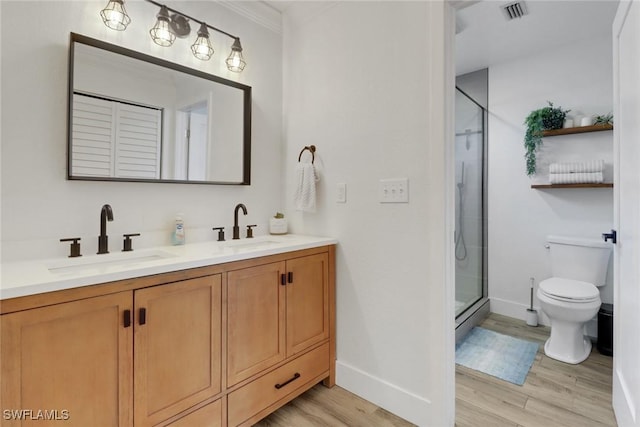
177,347
255,320
307,302
73,360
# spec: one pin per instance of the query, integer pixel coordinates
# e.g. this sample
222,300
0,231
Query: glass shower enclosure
470,207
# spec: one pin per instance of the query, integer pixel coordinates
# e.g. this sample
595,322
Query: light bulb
234,60
115,16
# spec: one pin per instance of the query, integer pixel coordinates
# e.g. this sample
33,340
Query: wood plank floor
334,407
555,394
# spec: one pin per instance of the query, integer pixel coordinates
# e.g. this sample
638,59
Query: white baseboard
623,405
411,407
516,310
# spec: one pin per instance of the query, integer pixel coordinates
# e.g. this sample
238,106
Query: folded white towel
305,195
577,167
576,178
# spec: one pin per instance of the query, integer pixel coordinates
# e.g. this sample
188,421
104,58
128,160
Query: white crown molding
461,4
301,12
258,12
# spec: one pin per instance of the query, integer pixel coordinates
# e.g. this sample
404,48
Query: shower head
467,142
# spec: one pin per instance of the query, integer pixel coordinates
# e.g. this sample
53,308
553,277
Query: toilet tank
579,258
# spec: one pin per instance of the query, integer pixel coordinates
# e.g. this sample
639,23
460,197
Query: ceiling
485,37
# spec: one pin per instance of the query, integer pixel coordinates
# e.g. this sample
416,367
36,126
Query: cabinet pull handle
283,279
142,317
295,377
127,318
290,277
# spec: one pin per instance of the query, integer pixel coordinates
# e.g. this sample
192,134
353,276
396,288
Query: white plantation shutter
115,139
138,147
93,136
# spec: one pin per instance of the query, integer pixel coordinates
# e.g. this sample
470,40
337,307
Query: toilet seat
569,290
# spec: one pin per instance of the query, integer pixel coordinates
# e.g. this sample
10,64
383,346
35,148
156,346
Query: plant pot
551,123
278,226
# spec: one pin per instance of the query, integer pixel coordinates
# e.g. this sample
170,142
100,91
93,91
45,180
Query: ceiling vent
514,10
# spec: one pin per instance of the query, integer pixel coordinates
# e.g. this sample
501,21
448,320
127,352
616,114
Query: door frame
449,322
624,407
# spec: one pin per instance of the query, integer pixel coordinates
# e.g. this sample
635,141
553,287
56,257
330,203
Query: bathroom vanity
207,334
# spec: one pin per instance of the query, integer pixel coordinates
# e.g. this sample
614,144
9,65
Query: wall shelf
569,131
548,186
580,129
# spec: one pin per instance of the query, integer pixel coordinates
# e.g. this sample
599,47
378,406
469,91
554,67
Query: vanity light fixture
115,15
171,24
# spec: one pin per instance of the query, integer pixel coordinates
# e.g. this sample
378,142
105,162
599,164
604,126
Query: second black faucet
106,214
236,228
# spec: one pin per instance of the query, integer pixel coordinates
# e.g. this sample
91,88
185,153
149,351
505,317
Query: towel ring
312,149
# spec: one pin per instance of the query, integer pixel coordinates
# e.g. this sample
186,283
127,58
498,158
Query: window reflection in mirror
133,117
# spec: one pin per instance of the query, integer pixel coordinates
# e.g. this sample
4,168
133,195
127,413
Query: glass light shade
235,61
161,33
115,15
202,47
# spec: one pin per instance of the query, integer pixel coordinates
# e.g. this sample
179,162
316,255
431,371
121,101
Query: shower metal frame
473,314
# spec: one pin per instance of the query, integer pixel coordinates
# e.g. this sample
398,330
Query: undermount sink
252,245
264,242
105,261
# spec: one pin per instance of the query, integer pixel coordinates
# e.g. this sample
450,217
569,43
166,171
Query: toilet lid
568,289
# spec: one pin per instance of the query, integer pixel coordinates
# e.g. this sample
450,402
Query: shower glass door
470,205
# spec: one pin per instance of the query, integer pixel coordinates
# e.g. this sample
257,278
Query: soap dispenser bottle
177,238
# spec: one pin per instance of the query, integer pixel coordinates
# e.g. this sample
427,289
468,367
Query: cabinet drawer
268,389
207,416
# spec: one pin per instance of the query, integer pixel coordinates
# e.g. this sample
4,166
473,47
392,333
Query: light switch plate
394,190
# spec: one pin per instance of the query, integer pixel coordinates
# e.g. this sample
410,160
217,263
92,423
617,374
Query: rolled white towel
576,178
577,167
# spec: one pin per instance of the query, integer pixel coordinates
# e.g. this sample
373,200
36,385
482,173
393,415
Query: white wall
364,82
576,77
39,206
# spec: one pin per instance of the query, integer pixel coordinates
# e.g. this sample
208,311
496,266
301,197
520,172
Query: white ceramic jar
278,226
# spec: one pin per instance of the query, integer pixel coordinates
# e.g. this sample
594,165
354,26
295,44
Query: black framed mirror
135,117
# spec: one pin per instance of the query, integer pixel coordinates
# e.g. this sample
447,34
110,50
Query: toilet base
574,359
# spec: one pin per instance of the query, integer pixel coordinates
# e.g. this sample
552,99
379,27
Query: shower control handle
613,236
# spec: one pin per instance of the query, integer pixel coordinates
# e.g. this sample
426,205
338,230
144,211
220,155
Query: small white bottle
177,237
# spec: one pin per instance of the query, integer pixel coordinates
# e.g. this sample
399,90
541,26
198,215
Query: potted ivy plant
546,118
278,224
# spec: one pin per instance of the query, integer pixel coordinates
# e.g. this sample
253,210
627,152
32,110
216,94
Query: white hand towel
576,178
305,196
577,167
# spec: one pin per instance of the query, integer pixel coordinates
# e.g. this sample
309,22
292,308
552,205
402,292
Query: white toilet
571,297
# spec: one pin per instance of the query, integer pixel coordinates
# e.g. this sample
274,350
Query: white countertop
46,275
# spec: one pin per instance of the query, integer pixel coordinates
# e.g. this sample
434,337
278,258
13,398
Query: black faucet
236,229
106,214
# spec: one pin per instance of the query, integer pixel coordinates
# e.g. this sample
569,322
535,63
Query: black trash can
605,329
